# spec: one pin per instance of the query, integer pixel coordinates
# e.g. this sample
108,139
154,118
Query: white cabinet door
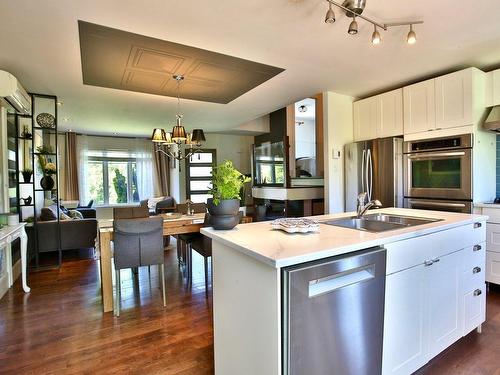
474,308
419,107
405,319
366,119
493,237
495,89
454,99
444,301
391,113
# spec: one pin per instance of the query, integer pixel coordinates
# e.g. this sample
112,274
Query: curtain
82,150
143,153
161,173
72,188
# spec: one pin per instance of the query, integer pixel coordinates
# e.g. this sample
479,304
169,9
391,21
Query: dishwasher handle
340,280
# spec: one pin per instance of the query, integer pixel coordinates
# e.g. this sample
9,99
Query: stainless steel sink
379,222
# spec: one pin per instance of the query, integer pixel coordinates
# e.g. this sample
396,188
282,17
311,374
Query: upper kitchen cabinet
379,116
447,105
391,113
493,88
454,99
419,107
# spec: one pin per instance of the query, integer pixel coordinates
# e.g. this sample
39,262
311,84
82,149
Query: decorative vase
27,176
47,183
225,215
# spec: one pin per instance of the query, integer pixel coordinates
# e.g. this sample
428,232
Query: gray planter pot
225,215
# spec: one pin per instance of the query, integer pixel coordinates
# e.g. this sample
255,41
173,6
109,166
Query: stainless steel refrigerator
374,167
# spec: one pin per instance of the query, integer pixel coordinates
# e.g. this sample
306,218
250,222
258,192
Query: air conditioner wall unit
14,93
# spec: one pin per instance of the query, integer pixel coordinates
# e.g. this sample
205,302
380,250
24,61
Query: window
112,177
199,175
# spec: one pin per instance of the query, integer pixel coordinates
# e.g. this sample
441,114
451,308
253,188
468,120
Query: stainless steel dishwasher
333,315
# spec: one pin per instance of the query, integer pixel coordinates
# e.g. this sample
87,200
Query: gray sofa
75,234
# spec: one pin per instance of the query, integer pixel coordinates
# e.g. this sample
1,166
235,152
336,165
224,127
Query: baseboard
16,270
4,284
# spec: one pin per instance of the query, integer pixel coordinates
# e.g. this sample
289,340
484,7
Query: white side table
7,235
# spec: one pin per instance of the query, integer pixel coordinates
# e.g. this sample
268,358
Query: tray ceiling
122,60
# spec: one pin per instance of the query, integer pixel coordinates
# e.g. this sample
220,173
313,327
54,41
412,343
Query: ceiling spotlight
353,27
330,15
376,36
302,108
59,103
411,37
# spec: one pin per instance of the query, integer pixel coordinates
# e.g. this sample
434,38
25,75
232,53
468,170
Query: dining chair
184,239
138,242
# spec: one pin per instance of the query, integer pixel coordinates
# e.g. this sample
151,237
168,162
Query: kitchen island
434,288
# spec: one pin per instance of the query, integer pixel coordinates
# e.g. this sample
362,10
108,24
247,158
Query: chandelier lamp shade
354,9
178,137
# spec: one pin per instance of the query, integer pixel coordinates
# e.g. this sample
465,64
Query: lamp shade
168,138
178,133
158,135
198,136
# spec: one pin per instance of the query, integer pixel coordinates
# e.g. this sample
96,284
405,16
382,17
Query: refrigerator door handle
363,158
369,174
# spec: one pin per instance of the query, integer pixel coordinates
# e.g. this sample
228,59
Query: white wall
237,148
338,131
259,125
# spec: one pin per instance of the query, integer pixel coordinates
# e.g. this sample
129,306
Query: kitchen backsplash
498,165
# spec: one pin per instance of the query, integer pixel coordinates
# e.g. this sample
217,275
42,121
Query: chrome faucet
362,207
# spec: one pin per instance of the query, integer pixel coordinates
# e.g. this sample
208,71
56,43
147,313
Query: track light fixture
330,14
354,9
411,38
376,36
353,27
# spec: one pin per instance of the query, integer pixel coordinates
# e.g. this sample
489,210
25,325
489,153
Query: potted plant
27,173
225,202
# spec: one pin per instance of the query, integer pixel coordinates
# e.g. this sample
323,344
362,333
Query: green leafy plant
120,184
45,149
227,182
27,170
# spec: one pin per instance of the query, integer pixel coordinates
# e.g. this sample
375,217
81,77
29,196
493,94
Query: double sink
379,222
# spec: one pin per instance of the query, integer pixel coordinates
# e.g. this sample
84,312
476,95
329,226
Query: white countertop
487,205
279,249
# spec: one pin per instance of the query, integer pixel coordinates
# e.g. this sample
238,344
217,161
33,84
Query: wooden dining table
171,226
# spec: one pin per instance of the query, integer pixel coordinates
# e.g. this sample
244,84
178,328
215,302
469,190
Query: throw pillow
152,202
63,216
47,214
75,215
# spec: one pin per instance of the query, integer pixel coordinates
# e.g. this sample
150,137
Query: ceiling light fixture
302,108
354,9
178,136
330,14
411,38
353,27
376,36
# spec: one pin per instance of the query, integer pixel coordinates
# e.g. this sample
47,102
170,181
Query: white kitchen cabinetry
493,88
434,296
444,106
419,107
366,115
379,116
492,245
454,100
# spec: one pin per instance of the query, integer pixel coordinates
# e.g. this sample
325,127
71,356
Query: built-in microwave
439,168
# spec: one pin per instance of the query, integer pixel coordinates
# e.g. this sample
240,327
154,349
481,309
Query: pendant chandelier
170,142
354,8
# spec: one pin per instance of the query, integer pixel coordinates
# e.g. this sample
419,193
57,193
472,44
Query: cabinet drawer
493,237
474,276
409,253
474,255
493,267
474,308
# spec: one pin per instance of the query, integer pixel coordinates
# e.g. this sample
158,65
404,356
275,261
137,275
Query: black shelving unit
43,136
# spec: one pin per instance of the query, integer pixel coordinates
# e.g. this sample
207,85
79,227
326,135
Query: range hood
492,122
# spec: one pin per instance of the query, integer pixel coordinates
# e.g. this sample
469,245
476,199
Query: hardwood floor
59,327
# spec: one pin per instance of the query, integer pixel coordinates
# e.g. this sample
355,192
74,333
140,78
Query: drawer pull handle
476,270
477,247
477,292
478,225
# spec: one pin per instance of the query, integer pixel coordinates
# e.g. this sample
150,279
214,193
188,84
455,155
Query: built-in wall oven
438,173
